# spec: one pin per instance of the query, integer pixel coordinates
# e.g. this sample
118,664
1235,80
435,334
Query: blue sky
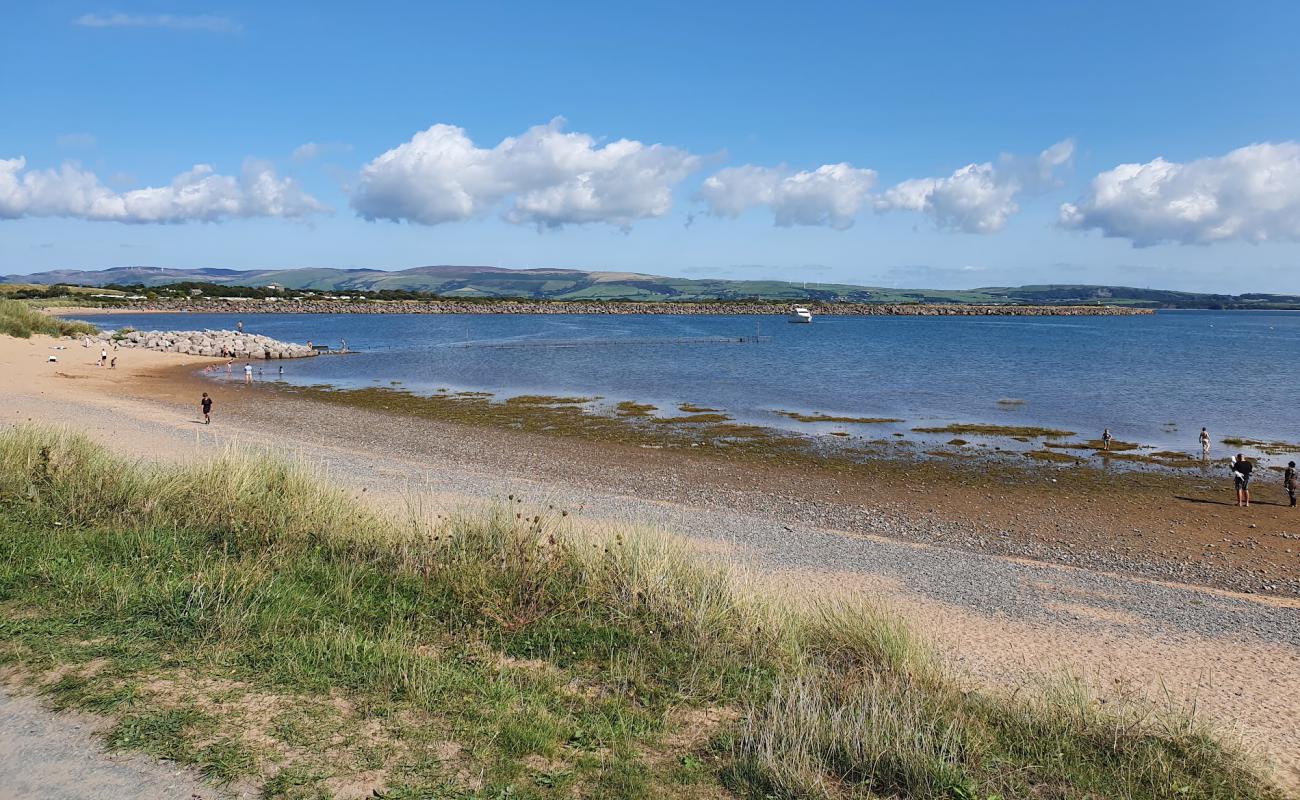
912,144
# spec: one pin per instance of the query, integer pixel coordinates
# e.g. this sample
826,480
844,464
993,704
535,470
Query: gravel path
47,756
996,618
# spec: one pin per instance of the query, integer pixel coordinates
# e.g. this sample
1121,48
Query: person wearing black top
1289,482
1241,469
206,405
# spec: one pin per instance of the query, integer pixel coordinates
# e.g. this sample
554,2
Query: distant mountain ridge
574,284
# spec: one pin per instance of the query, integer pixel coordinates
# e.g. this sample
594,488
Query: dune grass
244,616
21,320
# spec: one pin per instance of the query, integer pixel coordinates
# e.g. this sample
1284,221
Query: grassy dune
20,319
243,616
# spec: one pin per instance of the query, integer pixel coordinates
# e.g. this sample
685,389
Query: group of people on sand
1242,470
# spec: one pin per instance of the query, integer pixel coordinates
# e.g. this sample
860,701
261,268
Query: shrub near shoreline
271,629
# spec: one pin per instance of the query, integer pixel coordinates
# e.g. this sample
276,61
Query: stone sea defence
310,306
229,344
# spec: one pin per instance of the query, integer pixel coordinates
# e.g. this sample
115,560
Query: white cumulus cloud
831,195
311,150
198,195
546,176
197,22
1251,194
978,198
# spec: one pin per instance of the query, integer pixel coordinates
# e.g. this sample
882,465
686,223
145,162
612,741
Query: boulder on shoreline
216,344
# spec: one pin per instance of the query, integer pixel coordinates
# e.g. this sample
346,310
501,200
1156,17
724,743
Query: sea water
1154,379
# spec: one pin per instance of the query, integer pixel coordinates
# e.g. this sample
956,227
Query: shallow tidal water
1151,379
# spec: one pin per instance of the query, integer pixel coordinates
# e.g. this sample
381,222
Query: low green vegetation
694,419
544,400
800,417
1095,444
245,617
1268,448
975,429
20,319
1054,456
692,408
627,408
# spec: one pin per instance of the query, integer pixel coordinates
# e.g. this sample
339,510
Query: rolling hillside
572,284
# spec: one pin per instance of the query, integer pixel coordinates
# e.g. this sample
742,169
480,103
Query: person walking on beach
1241,469
112,364
248,373
1105,439
1205,445
103,357
206,405
1289,481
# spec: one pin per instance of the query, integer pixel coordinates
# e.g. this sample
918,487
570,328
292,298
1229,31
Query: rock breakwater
305,306
227,344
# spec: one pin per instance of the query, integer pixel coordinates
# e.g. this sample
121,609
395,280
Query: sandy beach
1011,576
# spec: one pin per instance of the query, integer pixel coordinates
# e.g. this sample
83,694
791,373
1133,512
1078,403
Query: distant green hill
572,284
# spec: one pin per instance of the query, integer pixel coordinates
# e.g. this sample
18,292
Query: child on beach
1205,445
112,364
1105,439
206,405
1241,469
1290,482
103,356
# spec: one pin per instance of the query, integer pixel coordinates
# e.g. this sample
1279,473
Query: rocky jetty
228,344
307,306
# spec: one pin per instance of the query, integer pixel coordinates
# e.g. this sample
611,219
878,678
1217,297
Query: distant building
195,292
275,287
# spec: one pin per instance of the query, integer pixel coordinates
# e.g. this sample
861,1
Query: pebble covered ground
996,617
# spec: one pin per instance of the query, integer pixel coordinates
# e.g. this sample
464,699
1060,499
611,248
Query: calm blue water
1237,372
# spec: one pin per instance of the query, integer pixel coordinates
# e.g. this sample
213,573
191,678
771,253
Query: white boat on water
800,314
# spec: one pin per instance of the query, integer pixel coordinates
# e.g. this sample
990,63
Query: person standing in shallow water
1290,481
248,373
206,405
1205,445
1105,439
1241,469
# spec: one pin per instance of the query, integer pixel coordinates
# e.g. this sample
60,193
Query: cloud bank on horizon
549,177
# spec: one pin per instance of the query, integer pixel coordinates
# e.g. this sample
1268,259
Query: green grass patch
20,319
270,628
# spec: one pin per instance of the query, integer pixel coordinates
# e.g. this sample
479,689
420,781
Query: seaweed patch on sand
799,417
1011,431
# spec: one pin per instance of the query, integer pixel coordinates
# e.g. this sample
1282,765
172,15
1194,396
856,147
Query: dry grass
22,320
504,654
